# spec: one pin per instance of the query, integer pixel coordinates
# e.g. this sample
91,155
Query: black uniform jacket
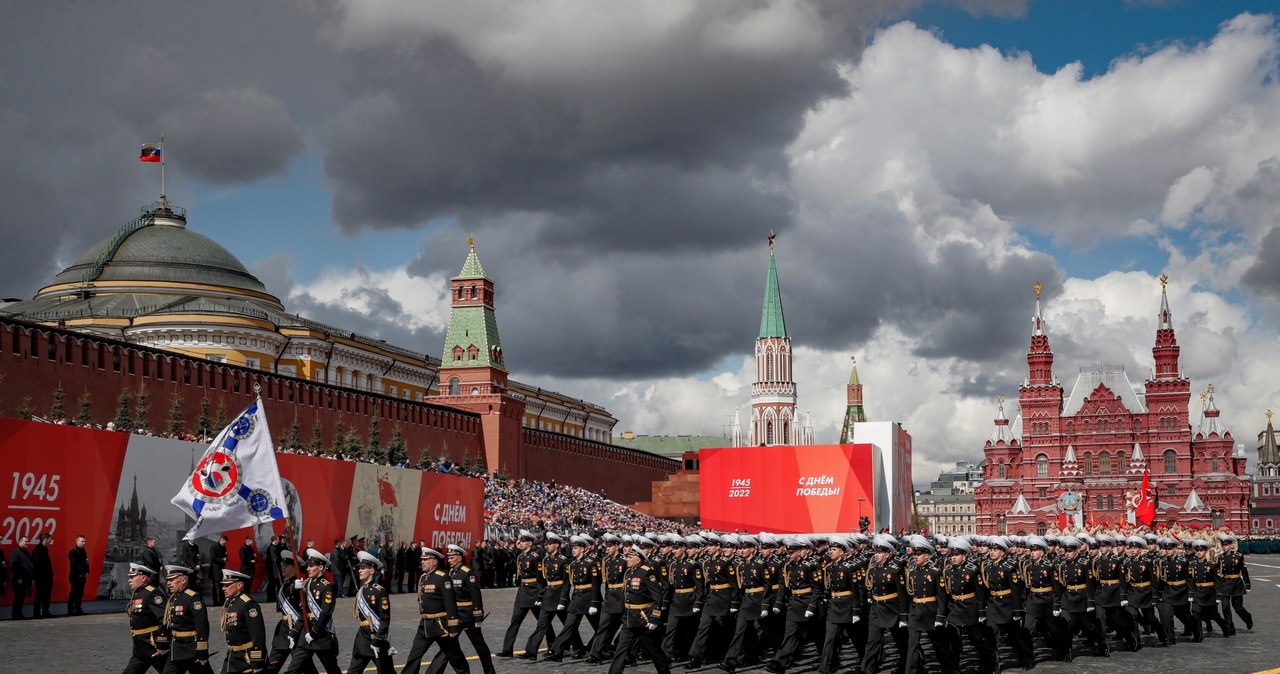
188,624
247,646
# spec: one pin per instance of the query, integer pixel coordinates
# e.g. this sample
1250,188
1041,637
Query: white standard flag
237,483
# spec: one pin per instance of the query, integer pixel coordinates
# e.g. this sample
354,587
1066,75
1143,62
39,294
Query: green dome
161,252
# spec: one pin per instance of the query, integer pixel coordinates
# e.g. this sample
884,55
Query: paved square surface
100,642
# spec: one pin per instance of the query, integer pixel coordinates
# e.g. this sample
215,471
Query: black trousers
875,648
1237,603
708,626
1054,630
138,664
569,636
980,639
300,658
44,594
1210,614
544,630
220,597
679,635
473,633
517,617
20,589
915,651
1146,617
646,640
1019,640
362,654
1086,623
603,638
75,598
831,645
189,666
449,648
793,638
749,624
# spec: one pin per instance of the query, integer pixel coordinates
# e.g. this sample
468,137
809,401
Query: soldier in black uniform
1140,588
886,594
529,583
754,600
643,594
372,609
470,603
720,587
802,593
1108,572
146,613
613,567
1005,591
1233,583
584,599
1075,587
439,610
1203,574
555,573
218,562
289,606
965,603
684,586
242,623
1039,574
187,622
1172,580
923,584
151,559
844,596
314,636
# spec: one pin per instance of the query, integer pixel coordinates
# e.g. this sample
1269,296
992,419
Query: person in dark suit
42,574
218,562
151,559
189,556
20,567
248,562
77,574
4,575
273,566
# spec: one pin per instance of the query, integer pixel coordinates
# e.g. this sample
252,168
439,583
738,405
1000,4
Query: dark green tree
316,446
204,425
425,459
293,436
25,410
84,416
56,411
220,419
339,436
141,411
124,415
352,447
397,452
173,425
374,450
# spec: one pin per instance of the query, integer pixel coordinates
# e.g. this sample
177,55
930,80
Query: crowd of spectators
511,505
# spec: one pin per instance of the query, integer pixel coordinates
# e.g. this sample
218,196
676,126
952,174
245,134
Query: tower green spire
471,339
854,412
772,324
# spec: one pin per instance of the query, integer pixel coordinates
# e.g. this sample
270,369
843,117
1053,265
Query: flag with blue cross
237,482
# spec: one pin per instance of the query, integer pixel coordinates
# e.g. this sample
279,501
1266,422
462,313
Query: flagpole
302,598
163,200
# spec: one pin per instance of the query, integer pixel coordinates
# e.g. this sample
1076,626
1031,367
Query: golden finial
471,241
772,236
1210,390
853,359
1204,394
1268,416
1164,282
1000,398
1038,287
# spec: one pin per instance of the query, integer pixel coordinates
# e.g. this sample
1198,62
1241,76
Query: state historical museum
1080,461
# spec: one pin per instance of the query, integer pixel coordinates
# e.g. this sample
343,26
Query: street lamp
861,499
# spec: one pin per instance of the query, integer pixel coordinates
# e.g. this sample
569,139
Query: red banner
791,489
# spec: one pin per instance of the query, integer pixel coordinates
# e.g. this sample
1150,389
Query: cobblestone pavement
99,642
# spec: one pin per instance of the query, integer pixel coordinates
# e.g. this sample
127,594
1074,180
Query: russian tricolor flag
150,152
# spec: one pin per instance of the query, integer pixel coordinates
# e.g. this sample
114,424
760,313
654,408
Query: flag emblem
217,476
151,153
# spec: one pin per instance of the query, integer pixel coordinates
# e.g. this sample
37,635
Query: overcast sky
620,164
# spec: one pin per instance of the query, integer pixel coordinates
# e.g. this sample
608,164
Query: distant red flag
1146,510
151,153
387,492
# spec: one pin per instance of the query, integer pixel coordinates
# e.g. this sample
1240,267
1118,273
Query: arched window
1214,462
1104,426
1001,469
1104,464
474,295
1099,502
1269,523
768,366
786,431
1071,427
1041,528
1266,489
455,386
1087,464
768,432
1170,461
1111,502
1086,426
1218,518
1042,466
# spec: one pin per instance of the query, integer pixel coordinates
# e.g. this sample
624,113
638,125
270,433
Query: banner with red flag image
1145,513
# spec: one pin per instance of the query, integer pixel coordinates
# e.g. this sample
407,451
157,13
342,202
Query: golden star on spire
471,241
772,236
1000,398
1268,416
1038,287
1164,282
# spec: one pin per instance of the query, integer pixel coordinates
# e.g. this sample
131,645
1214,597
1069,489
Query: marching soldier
683,589
1172,579
754,599
1233,583
372,609
640,624
887,596
720,578
802,595
313,635
584,586
1204,587
439,610
529,584
843,592
923,585
146,613
187,622
289,606
242,623
1075,589
1039,574
1140,588
1005,591
965,604
470,603
1108,572
555,571
613,567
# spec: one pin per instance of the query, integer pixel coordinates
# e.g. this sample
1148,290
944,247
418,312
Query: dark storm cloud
1263,277
234,136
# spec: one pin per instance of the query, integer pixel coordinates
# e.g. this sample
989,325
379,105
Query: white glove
1089,610
297,584
855,619
733,610
538,603
982,619
764,613
308,638
808,614
902,623
375,650
937,624
653,626
592,611
560,607
776,610
1124,603
291,643
1057,612
697,609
